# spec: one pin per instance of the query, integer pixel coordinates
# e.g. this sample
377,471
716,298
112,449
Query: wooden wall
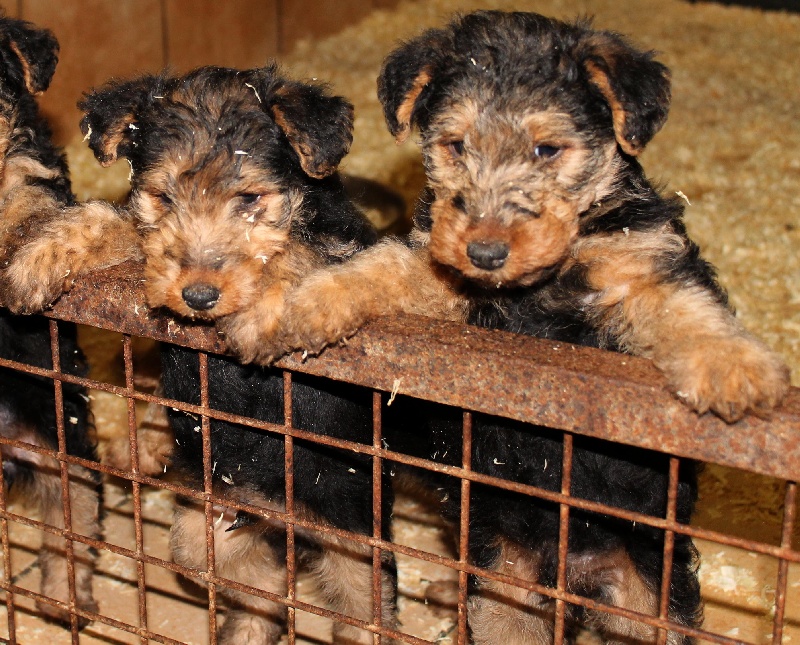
101,39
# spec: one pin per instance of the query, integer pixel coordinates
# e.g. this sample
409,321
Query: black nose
487,255
200,296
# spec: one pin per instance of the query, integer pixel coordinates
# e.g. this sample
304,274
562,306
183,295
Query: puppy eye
248,199
164,199
456,148
544,151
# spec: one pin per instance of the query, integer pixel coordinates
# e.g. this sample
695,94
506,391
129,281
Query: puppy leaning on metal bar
537,218
234,198
34,189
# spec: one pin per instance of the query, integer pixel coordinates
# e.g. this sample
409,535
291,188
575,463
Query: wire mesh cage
578,394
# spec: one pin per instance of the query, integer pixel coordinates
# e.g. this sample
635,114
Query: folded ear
29,55
636,88
318,126
110,115
405,81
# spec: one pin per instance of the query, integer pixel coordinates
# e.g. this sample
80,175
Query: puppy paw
729,376
37,275
252,338
59,615
320,313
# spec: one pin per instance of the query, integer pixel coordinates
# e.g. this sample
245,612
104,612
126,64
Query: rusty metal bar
69,550
579,389
208,504
377,517
563,538
463,538
10,603
291,553
127,354
669,546
789,511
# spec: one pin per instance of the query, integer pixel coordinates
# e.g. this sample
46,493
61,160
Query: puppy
234,198
34,188
538,219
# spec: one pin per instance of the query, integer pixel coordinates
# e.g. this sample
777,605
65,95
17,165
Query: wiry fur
234,199
538,219
34,186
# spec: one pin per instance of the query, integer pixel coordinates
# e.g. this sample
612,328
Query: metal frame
574,389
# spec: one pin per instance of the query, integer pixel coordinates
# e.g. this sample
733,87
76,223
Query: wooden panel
235,33
11,8
99,39
384,4
317,18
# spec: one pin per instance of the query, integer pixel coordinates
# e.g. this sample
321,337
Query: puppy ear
404,81
318,126
636,88
110,116
29,55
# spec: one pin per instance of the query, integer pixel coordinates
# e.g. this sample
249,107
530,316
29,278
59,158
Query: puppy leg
85,508
155,443
710,361
503,613
51,252
344,573
243,555
389,278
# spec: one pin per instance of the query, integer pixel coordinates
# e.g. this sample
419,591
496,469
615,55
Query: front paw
37,275
320,314
251,338
730,376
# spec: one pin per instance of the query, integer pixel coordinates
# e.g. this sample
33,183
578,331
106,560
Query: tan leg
502,613
155,442
622,586
710,361
344,574
85,507
389,278
244,556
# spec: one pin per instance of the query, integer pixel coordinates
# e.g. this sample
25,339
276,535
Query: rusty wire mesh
577,390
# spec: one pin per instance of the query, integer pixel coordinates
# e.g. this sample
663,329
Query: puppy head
28,58
524,122
221,161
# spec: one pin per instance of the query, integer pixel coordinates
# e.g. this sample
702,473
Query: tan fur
622,587
45,493
386,279
709,359
26,68
344,574
406,108
155,444
503,613
619,116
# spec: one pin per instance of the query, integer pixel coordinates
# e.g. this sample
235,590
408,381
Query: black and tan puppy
235,198
538,219
34,188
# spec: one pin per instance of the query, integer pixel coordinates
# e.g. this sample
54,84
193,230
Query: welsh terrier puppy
234,199
34,188
538,219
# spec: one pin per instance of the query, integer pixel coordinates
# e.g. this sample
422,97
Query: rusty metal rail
578,389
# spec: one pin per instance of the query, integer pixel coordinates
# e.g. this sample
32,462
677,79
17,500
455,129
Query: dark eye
543,151
456,148
164,199
249,199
